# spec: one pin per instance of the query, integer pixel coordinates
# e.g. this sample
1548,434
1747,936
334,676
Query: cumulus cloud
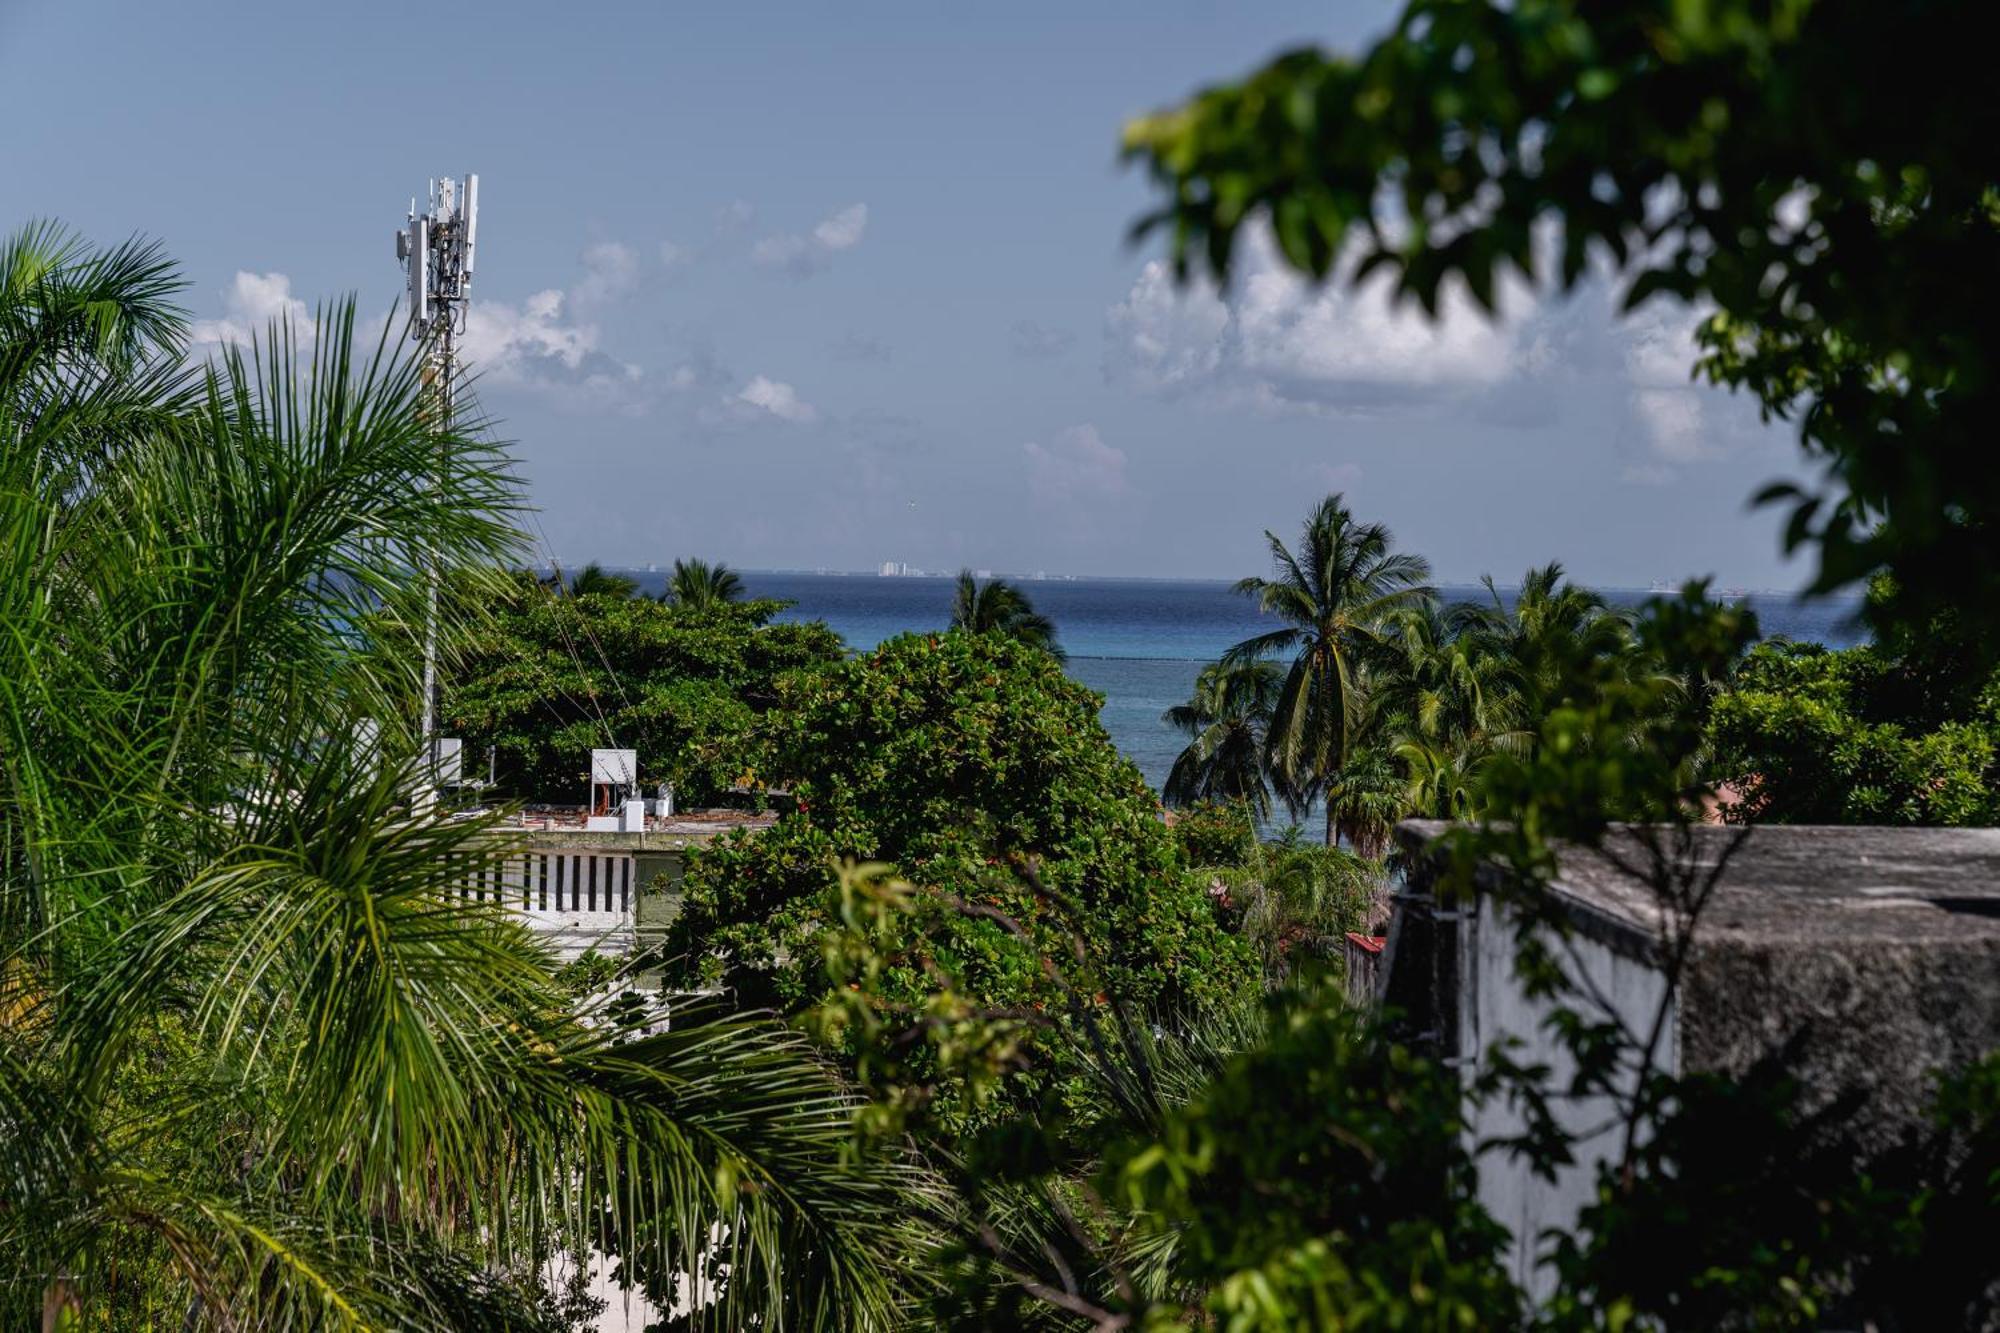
1280,341
1077,467
610,271
536,345
842,230
250,304
778,399
1660,352
804,255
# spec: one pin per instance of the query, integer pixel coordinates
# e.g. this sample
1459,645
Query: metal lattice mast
436,247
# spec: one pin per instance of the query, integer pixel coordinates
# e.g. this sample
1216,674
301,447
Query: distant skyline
797,286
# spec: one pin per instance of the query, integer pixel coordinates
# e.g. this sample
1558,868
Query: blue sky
813,285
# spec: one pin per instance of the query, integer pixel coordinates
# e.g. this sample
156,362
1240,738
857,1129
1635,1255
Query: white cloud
535,345
672,255
1077,467
610,270
777,398
1278,340
843,230
250,304
803,256
1660,352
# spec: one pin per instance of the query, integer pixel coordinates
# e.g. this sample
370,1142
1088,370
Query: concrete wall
1494,1007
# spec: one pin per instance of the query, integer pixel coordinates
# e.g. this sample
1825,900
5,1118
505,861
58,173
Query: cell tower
436,248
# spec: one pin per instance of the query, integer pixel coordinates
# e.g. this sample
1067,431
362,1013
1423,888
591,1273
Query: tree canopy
951,755
543,680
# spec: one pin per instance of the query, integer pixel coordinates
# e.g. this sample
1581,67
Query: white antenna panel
420,259
471,219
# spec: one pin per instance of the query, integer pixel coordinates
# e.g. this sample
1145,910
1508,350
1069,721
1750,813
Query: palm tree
1335,594
1553,631
998,607
1224,722
595,580
1365,797
260,1062
697,584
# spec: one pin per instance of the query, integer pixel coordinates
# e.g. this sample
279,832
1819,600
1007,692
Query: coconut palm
1366,796
594,580
696,583
261,1064
999,607
1335,593
1550,628
1224,722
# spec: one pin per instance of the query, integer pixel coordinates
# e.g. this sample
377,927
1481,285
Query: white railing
578,899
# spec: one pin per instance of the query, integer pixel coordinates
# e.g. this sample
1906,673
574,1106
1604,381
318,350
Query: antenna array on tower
436,249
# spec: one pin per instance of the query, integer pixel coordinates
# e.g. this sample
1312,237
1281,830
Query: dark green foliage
998,607
948,755
696,583
1811,736
544,679
1225,722
594,580
1216,833
1319,1175
1294,903
1823,173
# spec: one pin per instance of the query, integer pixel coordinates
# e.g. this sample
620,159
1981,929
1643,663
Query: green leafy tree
1336,594
1225,722
955,757
1216,833
696,583
1822,175
998,607
542,680
262,1062
1805,735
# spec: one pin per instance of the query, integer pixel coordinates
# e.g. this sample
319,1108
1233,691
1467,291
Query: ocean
1141,642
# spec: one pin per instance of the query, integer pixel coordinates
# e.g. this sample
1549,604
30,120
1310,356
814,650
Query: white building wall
1494,1007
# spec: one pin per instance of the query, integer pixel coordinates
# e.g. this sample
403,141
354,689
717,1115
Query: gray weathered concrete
1870,957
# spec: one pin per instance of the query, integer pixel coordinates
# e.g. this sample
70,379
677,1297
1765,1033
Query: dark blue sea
1141,642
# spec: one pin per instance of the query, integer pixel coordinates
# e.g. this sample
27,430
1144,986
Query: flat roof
1798,885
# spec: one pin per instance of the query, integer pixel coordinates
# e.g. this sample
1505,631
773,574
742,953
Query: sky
831,284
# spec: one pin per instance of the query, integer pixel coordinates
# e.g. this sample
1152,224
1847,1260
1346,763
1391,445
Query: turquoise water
1141,642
